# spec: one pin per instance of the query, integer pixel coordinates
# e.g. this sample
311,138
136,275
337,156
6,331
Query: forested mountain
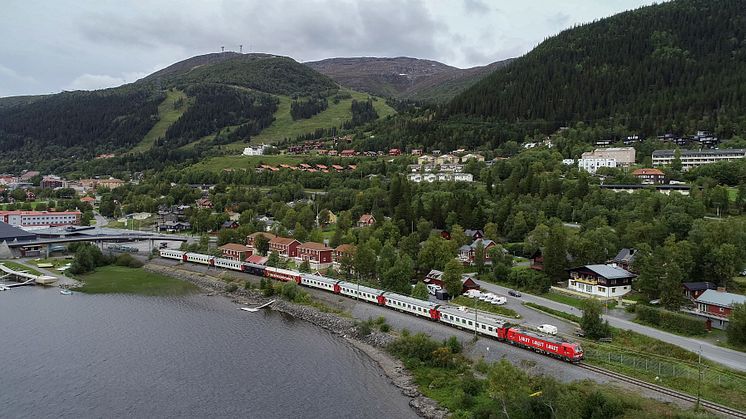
678,66
226,89
402,77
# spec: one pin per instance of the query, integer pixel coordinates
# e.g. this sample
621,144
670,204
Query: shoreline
372,345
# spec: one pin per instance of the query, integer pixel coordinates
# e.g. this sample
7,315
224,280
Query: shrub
670,320
385,328
364,329
231,287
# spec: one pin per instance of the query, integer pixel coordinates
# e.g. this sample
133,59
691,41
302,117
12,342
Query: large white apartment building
431,177
40,218
694,158
591,165
624,156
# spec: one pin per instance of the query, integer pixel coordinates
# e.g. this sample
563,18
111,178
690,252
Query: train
493,326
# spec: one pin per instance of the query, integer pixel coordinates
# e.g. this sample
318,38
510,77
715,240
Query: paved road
728,357
101,221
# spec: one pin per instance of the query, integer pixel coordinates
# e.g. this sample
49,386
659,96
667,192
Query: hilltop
402,77
677,66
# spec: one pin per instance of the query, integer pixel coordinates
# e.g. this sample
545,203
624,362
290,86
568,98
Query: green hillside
677,66
168,112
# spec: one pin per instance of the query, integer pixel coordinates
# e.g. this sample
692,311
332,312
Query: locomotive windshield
578,349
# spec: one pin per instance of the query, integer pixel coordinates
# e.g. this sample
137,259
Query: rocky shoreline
372,345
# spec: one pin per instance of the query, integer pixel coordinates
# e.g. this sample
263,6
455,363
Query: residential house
416,152
394,152
716,306
474,234
436,277
425,160
318,255
624,258
343,250
204,203
283,246
347,153
692,290
471,156
174,226
52,182
650,176
606,281
88,200
236,251
230,224
447,159
366,220
467,252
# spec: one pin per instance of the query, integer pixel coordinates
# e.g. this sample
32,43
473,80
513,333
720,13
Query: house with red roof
366,220
318,255
236,251
285,247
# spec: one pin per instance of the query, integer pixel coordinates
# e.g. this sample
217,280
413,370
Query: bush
125,259
670,320
231,287
364,329
385,328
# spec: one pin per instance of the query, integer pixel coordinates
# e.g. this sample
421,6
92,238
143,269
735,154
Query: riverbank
373,345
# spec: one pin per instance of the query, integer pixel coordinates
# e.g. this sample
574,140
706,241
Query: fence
653,367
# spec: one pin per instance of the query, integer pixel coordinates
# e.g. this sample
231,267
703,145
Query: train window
470,323
489,328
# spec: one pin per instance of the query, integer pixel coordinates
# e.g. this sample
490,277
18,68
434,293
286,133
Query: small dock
24,278
255,309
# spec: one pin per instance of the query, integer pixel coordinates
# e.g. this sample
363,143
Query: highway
727,357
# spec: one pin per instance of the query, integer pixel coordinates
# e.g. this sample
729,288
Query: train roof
482,316
410,300
282,271
360,287
320,278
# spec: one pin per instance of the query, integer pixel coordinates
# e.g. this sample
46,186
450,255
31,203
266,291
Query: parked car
548,329
579,333
486,296
442,295
473,294
498,301
514,293
432,289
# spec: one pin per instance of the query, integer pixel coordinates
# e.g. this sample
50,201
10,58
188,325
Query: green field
122,280
246,162
18,267
333,116
167,115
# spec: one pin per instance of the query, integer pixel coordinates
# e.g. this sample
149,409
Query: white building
624,156
255,151
591,165
40,218
694,158
431,177
605,281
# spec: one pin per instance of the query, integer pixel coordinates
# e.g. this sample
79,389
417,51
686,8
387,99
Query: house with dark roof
716,306
692,290
606,281
624,258
467,253
474,234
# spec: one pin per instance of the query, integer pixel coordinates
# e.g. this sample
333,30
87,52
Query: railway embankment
373,345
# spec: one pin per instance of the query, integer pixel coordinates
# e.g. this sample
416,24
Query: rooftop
721,298
694,153
610,271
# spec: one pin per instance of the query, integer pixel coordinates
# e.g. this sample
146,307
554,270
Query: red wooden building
284,246
315,253
236,251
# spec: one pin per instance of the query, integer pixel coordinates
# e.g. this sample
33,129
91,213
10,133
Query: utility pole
699,382
475,318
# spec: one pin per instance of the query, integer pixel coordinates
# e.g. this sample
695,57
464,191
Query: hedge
670,320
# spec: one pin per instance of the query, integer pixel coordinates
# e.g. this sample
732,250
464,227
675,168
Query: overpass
93,238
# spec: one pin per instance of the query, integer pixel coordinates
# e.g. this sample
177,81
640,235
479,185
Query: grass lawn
481,305
34,205
217,164
167,115
18,267
55,262
121,280
333,116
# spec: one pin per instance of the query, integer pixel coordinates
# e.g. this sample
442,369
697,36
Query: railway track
713,407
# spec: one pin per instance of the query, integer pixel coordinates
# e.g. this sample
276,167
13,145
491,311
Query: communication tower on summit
240,48
222,49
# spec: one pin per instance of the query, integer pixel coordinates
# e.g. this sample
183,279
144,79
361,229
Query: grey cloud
476,7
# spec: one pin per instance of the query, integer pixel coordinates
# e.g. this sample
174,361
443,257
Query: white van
432,288
498,300
548,329
473,294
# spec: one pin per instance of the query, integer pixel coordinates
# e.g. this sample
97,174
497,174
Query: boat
66,292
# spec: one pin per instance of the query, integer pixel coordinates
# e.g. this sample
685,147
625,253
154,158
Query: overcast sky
47,46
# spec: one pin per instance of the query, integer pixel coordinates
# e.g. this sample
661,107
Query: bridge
25,277
94,238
